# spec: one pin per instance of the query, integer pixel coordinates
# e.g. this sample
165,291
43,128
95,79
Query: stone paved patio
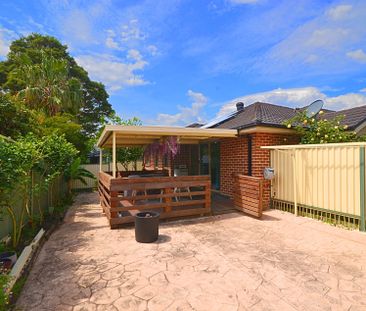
230,262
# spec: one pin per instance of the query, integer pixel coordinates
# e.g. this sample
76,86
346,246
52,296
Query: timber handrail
121,197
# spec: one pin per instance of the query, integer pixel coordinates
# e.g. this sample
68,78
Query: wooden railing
122,198
248,194
145,172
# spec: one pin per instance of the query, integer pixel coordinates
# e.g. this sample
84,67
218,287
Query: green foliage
317,130
31,51
50,155
76,172
15,119
127,155
4,295
66,125
58,154
48,86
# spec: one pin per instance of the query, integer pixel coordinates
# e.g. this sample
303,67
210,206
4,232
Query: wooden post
208,195
168,200
114,155
114,215
100,160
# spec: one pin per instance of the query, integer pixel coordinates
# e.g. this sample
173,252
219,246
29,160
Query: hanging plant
172,145
169,146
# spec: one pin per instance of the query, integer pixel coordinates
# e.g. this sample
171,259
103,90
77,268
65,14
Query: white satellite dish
314,108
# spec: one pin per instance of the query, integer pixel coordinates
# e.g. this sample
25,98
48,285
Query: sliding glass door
215,165
209,158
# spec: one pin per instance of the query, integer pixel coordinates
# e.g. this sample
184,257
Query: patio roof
143,135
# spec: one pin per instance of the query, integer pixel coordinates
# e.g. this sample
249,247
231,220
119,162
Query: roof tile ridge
258,113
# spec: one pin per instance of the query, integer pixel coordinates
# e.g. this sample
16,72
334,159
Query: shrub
318,130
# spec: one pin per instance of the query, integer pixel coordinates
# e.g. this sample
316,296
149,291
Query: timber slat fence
248,194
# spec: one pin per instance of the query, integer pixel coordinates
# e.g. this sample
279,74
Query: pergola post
114,154
100,160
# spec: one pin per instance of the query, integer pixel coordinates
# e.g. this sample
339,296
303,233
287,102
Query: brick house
257,125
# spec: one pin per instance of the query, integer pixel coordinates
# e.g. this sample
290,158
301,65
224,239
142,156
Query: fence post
294,163
362,187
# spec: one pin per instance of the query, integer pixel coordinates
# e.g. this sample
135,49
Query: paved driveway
230,262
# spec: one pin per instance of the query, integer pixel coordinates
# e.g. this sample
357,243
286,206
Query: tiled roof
352,117
274,115
259,114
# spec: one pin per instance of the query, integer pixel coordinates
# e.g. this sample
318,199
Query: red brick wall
261,157
234,159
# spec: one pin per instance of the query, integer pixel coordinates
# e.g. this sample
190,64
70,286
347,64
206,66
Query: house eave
266,129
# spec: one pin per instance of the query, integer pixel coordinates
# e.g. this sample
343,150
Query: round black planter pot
147,227
9,255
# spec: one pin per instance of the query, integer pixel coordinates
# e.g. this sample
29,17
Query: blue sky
173,62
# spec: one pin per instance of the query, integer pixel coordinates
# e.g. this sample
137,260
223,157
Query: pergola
124,195
115,136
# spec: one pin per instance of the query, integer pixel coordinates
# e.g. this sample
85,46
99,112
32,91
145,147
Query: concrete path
230,262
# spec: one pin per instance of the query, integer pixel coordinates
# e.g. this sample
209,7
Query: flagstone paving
229,262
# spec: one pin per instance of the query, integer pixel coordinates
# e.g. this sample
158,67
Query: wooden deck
122,197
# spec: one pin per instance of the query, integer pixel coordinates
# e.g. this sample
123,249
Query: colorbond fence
324,181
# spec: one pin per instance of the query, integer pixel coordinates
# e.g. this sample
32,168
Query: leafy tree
49,155
29,50
127,155
318,130
48,86
15,119
66,125
17,159
76,172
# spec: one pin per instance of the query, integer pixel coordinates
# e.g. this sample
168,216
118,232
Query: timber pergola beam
114,136
143,135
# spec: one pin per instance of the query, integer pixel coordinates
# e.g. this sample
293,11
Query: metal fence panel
326,178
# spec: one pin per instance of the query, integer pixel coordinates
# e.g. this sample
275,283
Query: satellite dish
314,108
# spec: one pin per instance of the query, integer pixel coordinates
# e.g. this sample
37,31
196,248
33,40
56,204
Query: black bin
147,227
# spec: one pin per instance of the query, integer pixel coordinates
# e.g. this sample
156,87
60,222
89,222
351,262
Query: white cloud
110,41
339,11
115,73
129,36
297,97
6,36
345,101
322,44
132,31
153,50
185,115
363,90
358,55
4,46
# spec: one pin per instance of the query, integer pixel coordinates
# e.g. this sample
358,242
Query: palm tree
76,172
48,86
